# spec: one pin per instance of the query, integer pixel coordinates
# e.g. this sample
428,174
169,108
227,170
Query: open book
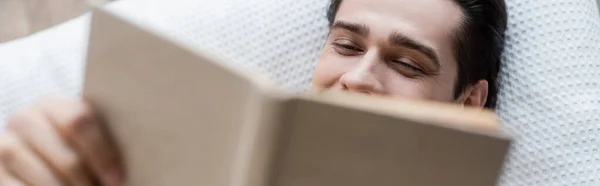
183,117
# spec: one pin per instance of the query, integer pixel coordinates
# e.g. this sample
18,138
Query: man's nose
363,79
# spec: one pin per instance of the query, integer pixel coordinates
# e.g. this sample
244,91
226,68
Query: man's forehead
429,18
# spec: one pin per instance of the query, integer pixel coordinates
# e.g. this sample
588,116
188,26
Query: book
182,116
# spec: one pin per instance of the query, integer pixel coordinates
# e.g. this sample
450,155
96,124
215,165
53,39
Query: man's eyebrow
402,40
360,29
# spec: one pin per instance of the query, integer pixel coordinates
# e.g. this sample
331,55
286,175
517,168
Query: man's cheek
328,72
325,75
402,88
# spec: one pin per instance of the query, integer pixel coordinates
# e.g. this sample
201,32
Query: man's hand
58,141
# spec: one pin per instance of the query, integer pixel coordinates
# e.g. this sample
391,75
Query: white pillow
550,92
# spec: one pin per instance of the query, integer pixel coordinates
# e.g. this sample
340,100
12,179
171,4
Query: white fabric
549,98
550,92
50,62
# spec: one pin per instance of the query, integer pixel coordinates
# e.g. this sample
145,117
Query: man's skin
401,49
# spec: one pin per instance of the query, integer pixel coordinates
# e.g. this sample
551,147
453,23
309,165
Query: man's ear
475,95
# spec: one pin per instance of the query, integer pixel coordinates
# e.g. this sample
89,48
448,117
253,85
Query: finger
6,179
18,159
38,133
81,126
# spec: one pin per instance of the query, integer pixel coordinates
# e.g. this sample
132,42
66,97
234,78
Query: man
439,50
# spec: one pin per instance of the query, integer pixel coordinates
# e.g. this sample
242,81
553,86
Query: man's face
396,48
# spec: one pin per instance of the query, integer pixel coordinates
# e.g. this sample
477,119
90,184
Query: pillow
280,38
550,92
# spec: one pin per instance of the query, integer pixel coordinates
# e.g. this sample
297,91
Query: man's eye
407,65
349,47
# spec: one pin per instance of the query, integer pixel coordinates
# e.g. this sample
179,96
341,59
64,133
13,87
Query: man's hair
478,43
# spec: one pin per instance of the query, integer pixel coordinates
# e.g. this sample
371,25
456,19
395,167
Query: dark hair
478,43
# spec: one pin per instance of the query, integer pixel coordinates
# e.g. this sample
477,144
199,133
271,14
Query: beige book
184,117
